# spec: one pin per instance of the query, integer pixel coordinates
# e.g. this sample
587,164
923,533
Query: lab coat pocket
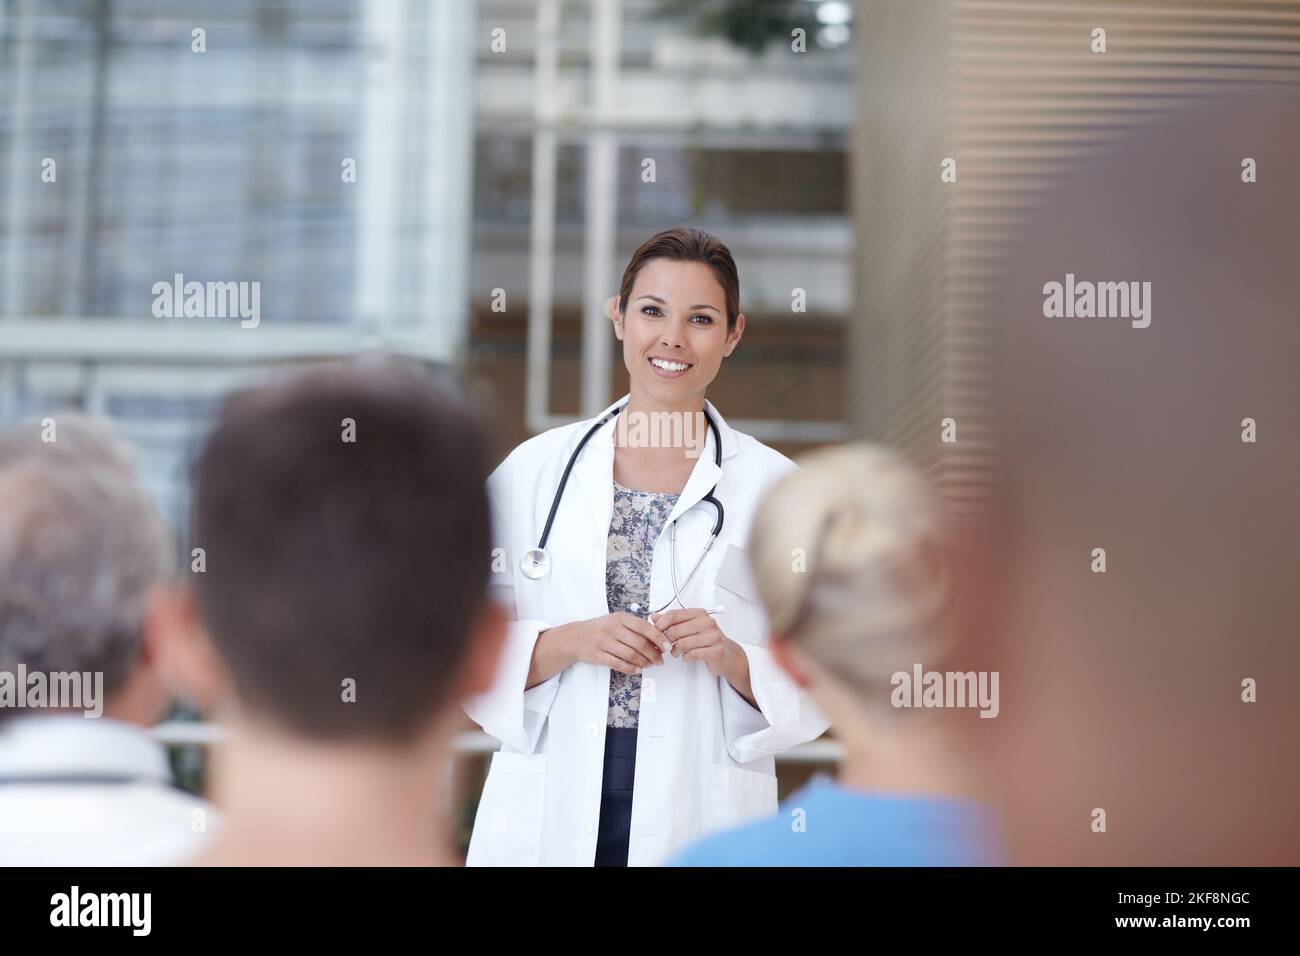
743,617
508,826
738,796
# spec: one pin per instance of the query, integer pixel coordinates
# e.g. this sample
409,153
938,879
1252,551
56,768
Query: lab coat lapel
704,476
593,481
593,476
706,473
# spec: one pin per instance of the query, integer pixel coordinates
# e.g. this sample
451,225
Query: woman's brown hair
686,244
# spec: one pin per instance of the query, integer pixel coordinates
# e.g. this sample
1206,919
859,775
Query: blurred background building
225,165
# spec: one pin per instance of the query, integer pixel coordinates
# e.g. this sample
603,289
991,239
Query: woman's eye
649,310
706,319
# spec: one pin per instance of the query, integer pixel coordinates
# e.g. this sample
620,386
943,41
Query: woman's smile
669,368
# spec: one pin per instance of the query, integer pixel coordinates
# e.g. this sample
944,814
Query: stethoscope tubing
710,498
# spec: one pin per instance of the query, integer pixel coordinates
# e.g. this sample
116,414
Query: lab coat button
587,826
592,729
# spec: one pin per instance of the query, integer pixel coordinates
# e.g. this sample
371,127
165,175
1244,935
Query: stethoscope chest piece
536,564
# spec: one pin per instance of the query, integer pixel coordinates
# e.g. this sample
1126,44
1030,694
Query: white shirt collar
60,745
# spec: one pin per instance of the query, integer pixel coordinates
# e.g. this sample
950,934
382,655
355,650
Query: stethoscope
536,564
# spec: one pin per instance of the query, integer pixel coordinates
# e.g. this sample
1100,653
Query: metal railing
472,742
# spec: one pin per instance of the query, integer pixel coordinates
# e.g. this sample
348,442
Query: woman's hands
620,641
629,644
693,635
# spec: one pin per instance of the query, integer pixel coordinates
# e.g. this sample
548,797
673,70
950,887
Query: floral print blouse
638,518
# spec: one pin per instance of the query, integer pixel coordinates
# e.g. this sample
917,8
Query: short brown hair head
686,244
329,559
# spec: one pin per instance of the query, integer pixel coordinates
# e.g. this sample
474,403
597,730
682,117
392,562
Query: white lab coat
704,757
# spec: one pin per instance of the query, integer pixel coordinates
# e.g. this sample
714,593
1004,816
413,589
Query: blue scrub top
843,827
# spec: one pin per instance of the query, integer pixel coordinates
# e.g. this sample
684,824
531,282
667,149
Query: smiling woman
691,744
678,316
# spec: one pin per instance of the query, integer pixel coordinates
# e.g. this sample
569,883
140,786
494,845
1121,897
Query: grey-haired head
81,545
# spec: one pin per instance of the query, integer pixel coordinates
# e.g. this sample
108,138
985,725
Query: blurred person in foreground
1150,713
343,614
850,627
82,557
